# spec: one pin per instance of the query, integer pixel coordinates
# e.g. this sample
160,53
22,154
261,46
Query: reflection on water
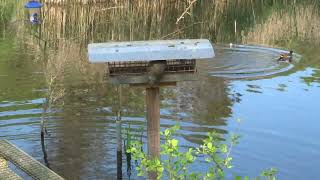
46,67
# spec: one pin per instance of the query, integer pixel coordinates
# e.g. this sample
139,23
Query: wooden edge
6,172
25,162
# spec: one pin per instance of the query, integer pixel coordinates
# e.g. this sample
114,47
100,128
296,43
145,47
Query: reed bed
136,20
285,27
145,19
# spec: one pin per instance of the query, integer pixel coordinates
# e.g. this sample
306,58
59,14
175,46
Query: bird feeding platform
162,62
151,64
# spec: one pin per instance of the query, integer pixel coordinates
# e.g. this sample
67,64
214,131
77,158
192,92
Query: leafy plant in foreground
176,163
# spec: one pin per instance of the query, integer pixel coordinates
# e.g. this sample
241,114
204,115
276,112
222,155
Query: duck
286,57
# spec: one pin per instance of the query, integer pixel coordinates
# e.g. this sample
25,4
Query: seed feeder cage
34,8
151,64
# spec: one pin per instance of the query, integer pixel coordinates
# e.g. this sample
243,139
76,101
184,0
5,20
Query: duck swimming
287,57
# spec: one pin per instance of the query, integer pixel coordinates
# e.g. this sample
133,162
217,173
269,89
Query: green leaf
160,169
229,166
211,175
166,132
224,148
229,159
174,142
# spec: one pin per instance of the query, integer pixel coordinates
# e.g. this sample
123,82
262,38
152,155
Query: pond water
46,67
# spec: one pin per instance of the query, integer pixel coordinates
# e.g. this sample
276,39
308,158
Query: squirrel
156,70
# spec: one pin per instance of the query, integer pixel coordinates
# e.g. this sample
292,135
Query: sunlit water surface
277,114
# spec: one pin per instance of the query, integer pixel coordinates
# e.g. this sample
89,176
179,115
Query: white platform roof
150,50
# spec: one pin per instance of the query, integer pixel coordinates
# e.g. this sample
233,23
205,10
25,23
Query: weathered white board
150,50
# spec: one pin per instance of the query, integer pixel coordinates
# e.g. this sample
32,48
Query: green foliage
269,174
176,163
146,164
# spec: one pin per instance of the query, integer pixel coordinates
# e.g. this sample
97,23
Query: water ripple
243,61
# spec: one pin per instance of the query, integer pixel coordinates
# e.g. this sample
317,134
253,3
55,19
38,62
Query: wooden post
153,124
119,137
